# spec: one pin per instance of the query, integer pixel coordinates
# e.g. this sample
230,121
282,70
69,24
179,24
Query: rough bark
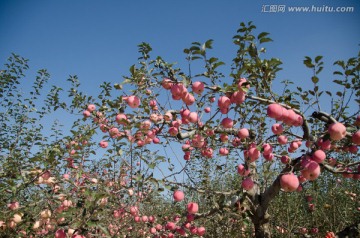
259,203
352,231
262,225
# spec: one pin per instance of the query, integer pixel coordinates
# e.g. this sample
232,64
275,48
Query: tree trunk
262,230
261,221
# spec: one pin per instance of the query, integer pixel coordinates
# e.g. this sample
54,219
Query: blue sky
97,40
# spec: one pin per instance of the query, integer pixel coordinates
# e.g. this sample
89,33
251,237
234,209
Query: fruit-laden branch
305,125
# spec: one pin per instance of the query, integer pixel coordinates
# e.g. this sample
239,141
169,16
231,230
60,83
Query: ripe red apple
193,117
247,183
337,131
173,131
151,219
238,97
291,118
223,151
325,144
152,230
134,210
166,83
353,149
60,233
201,231
190,217
243,133
277,129
356,138
318,156
178,91
192,207
285,159
311,170
253,154
267,149
227,122
242,170
103,144
298,120
91,107
86,113
188,99
289,182
178,195
193,230
294,145
275,111
282,140
269,157
133,101
145,218
13,206
198,87
224,102
158,227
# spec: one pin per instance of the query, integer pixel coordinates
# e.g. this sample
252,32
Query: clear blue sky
97,39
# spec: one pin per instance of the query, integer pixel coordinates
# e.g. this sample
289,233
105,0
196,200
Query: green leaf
151,165
132,69
208,44
308,63
315,79
262,34
318,58
319,70
218,64
263,40
348,72
338,73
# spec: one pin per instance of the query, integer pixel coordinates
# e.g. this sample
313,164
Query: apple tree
212,149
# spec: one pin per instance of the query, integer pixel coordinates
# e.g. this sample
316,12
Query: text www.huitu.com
310,9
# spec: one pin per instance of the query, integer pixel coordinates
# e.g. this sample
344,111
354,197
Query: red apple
289,182
356,138
318,156
178,195
243,133
192,207
275,111
198,87
337,131
247,183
